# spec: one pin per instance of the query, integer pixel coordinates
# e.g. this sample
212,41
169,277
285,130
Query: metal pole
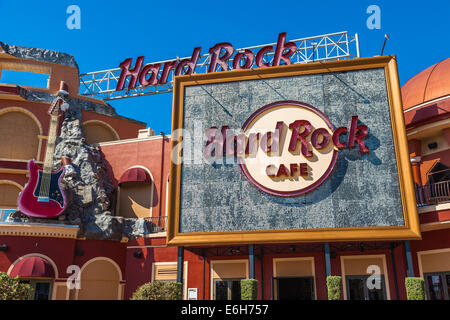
262,274
409,262
251,261
326,246
204,268
357,44
180,264
394,269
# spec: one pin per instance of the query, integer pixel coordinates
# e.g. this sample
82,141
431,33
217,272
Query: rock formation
89,190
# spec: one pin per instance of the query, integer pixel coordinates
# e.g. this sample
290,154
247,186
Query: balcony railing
4,213
157,224
434,193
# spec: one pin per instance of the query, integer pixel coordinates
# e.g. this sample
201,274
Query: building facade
138,162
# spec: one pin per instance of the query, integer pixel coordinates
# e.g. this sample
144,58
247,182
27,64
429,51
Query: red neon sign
220,53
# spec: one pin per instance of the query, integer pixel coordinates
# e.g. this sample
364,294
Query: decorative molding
14,171
132,140
436,207
438,225
38,230
11,183
427,103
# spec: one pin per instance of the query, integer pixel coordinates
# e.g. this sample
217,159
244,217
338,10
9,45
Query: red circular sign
296,167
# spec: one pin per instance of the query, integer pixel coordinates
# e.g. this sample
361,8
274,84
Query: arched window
440,172
19,132
100,280
135,193
98,131
9,192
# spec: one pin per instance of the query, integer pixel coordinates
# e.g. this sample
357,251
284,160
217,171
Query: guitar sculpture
43,196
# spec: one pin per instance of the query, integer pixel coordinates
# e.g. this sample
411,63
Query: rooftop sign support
157,77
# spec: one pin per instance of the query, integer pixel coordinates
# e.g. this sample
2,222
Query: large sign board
312,152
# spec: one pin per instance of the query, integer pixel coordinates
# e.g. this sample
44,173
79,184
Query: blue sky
159,30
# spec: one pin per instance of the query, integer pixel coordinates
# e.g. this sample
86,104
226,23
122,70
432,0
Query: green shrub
159,290
249,289
12,289
334,287
415,288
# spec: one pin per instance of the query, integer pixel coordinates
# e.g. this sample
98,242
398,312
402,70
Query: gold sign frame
409,231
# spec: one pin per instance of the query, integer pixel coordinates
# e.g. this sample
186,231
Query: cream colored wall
359,266
293,267
434,261
59,291
226,270
442,144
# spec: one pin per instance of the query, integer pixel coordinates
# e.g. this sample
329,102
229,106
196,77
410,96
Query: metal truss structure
333,46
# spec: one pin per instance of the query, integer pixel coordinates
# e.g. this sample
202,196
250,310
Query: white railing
333,46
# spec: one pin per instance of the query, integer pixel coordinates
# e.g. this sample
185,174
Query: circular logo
289,148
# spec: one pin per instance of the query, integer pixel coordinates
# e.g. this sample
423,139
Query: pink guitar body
33,203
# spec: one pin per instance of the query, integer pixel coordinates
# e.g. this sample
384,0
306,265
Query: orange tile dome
431,83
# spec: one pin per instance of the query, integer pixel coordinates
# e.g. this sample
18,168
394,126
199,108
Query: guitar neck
48,162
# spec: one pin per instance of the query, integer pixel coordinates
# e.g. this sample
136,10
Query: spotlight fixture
292,248
234,251
3,247
137,254
432,145
79,252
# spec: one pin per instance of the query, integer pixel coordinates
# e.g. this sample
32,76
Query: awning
135,175
33,267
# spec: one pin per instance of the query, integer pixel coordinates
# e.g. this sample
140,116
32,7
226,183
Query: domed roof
431,83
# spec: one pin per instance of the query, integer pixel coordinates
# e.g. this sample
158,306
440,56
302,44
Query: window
293,288
227,289
135,199
97,132
31,79
167,271
42,289
293,278
437,285
226,278
357,288
19,132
